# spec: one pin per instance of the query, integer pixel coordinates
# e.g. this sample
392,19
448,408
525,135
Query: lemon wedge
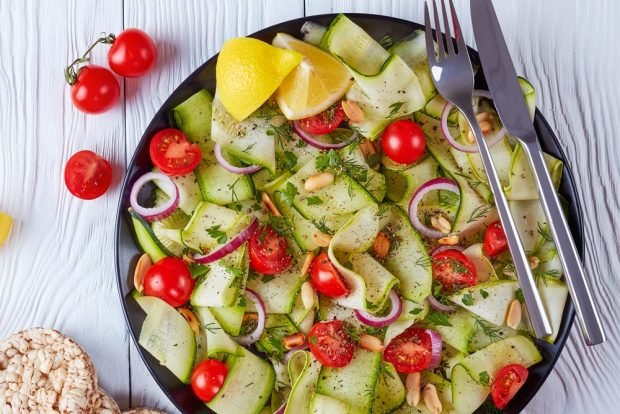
249,71
317,83
5,226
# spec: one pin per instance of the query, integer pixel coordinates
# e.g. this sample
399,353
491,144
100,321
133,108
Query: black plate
127,251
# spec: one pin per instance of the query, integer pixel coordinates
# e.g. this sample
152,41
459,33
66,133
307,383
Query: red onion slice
431,185
253,336
381,321
282,409
229,247
317,142
467,148
219,156
436,345
440,248
291,351
437,305
167,186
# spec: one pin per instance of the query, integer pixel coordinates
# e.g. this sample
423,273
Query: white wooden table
57,269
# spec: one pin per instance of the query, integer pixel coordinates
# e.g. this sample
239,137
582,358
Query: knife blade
501,77
499,71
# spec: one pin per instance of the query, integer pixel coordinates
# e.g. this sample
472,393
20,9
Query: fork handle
587,313
537,313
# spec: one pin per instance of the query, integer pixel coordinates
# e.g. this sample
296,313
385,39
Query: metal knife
510,104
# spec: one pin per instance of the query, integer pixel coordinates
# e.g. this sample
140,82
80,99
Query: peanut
353,111
449,240
381,246
143,265
441,224
371,343
534,262
293,340
321,239
307,295
513,318
412,385
307,263
270,206
431,399
191,319
318,181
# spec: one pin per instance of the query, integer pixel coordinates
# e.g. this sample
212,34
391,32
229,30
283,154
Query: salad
321,238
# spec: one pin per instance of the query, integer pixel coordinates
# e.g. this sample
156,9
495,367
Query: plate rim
541,124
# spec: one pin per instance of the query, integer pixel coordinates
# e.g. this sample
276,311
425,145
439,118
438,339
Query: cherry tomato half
403,141
325,278
507,383
453,270
132,54
207,378
87,175
323,123
410,351
330,343
172,154
170,280
495,240
96,90
268,251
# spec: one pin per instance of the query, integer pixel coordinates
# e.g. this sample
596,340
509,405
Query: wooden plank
567,53
57,268
187,34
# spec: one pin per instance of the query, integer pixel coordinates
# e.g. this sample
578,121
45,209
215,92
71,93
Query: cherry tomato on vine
172,154
325,278
495,240
207,378
268,251
133,53
507,383
453,270
87,175
323,123
410,351
170,280
403,141
331,344
95,89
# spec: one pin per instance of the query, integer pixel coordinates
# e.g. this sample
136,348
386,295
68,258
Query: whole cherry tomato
207,378
403,141
95,90
170,280
132,54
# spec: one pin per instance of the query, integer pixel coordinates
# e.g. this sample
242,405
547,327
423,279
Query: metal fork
453,76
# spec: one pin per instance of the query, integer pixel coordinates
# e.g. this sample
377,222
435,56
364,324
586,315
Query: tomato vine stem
71,71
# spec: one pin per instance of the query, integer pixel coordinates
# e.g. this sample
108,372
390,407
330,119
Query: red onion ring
281,410
253,336
431,185
229,247
381,321
217,150
315,141
437,305
467,148
440,248
291,351
167,186
436,345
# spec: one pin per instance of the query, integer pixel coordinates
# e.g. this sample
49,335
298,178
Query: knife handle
536,309
587,313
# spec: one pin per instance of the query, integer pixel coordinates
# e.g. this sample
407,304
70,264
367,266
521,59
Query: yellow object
6,222
248,72
313,86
